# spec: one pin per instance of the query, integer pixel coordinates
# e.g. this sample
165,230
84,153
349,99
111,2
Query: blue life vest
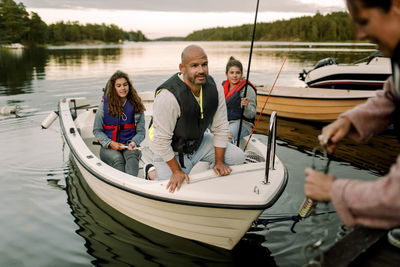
119,129
233,100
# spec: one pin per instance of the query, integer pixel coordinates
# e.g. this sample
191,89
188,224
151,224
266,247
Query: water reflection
116,240
19,67
64,57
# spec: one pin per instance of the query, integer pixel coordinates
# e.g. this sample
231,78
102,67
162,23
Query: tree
38,32
14,22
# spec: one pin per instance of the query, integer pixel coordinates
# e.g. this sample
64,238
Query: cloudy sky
159,18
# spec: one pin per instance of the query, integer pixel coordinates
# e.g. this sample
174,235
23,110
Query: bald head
194,67
192,51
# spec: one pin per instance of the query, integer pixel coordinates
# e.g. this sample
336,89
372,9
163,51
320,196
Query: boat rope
269,94
312,253
295,218
248,74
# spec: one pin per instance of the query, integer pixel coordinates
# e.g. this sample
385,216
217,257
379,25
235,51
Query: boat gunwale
322,98
158,198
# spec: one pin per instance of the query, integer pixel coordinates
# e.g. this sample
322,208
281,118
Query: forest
19,26
335,27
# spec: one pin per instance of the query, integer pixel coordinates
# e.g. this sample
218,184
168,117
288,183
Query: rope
272,88
295,218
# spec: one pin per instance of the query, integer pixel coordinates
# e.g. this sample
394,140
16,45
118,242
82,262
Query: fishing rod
248,73
269,94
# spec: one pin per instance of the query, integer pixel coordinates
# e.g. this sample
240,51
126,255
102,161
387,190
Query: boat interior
84,124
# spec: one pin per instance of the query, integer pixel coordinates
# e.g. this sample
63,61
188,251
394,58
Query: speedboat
367,75
210,209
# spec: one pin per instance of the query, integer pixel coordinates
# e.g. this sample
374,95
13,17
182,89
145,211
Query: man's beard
193,79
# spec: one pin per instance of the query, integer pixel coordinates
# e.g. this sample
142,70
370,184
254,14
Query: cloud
305,6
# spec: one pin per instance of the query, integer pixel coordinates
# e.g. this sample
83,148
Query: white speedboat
368,75
211,209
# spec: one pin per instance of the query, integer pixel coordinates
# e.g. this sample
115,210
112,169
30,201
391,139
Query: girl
119,124
234,100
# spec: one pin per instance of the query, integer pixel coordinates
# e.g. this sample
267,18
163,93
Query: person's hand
116,146
230,137
131,146
221,169
176,180
318,185
244,102
334,132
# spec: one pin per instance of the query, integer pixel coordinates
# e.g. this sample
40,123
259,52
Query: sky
160,18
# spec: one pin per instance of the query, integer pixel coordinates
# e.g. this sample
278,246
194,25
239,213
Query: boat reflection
376,156
117,240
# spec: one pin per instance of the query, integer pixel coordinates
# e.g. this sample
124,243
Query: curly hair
234,62
114,103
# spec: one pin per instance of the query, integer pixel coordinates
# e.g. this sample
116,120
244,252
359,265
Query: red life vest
233,100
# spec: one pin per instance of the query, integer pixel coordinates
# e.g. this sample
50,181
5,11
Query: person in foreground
119,124
374,204
235,100
184,107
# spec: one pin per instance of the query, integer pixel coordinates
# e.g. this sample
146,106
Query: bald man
184,107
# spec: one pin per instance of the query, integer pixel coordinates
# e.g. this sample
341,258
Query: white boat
211,209
368,75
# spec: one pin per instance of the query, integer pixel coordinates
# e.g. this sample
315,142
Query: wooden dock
363,247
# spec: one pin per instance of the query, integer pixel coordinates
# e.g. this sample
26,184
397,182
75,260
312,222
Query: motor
325,62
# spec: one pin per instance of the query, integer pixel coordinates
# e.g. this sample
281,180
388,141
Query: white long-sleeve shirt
166,111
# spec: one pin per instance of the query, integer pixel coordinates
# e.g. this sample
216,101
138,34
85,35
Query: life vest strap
117,128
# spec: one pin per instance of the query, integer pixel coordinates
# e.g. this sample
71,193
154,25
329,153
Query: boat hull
313,104
216,226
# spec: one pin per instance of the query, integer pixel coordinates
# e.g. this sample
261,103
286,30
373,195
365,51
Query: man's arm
166,111
220,129
220,126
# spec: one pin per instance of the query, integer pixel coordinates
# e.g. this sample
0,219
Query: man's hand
221,169
176,180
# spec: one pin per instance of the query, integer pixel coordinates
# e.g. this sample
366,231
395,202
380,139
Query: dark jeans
123,160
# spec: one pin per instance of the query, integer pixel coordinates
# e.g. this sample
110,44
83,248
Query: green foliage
336,26
14,22
17,26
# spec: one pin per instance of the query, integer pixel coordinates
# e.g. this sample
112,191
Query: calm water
50,218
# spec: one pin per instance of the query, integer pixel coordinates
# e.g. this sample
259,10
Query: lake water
50,218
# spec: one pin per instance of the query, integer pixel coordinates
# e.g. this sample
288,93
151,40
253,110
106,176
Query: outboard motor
303,75
325,62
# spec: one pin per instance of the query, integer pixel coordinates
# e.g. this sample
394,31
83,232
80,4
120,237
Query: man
185,106
374,204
